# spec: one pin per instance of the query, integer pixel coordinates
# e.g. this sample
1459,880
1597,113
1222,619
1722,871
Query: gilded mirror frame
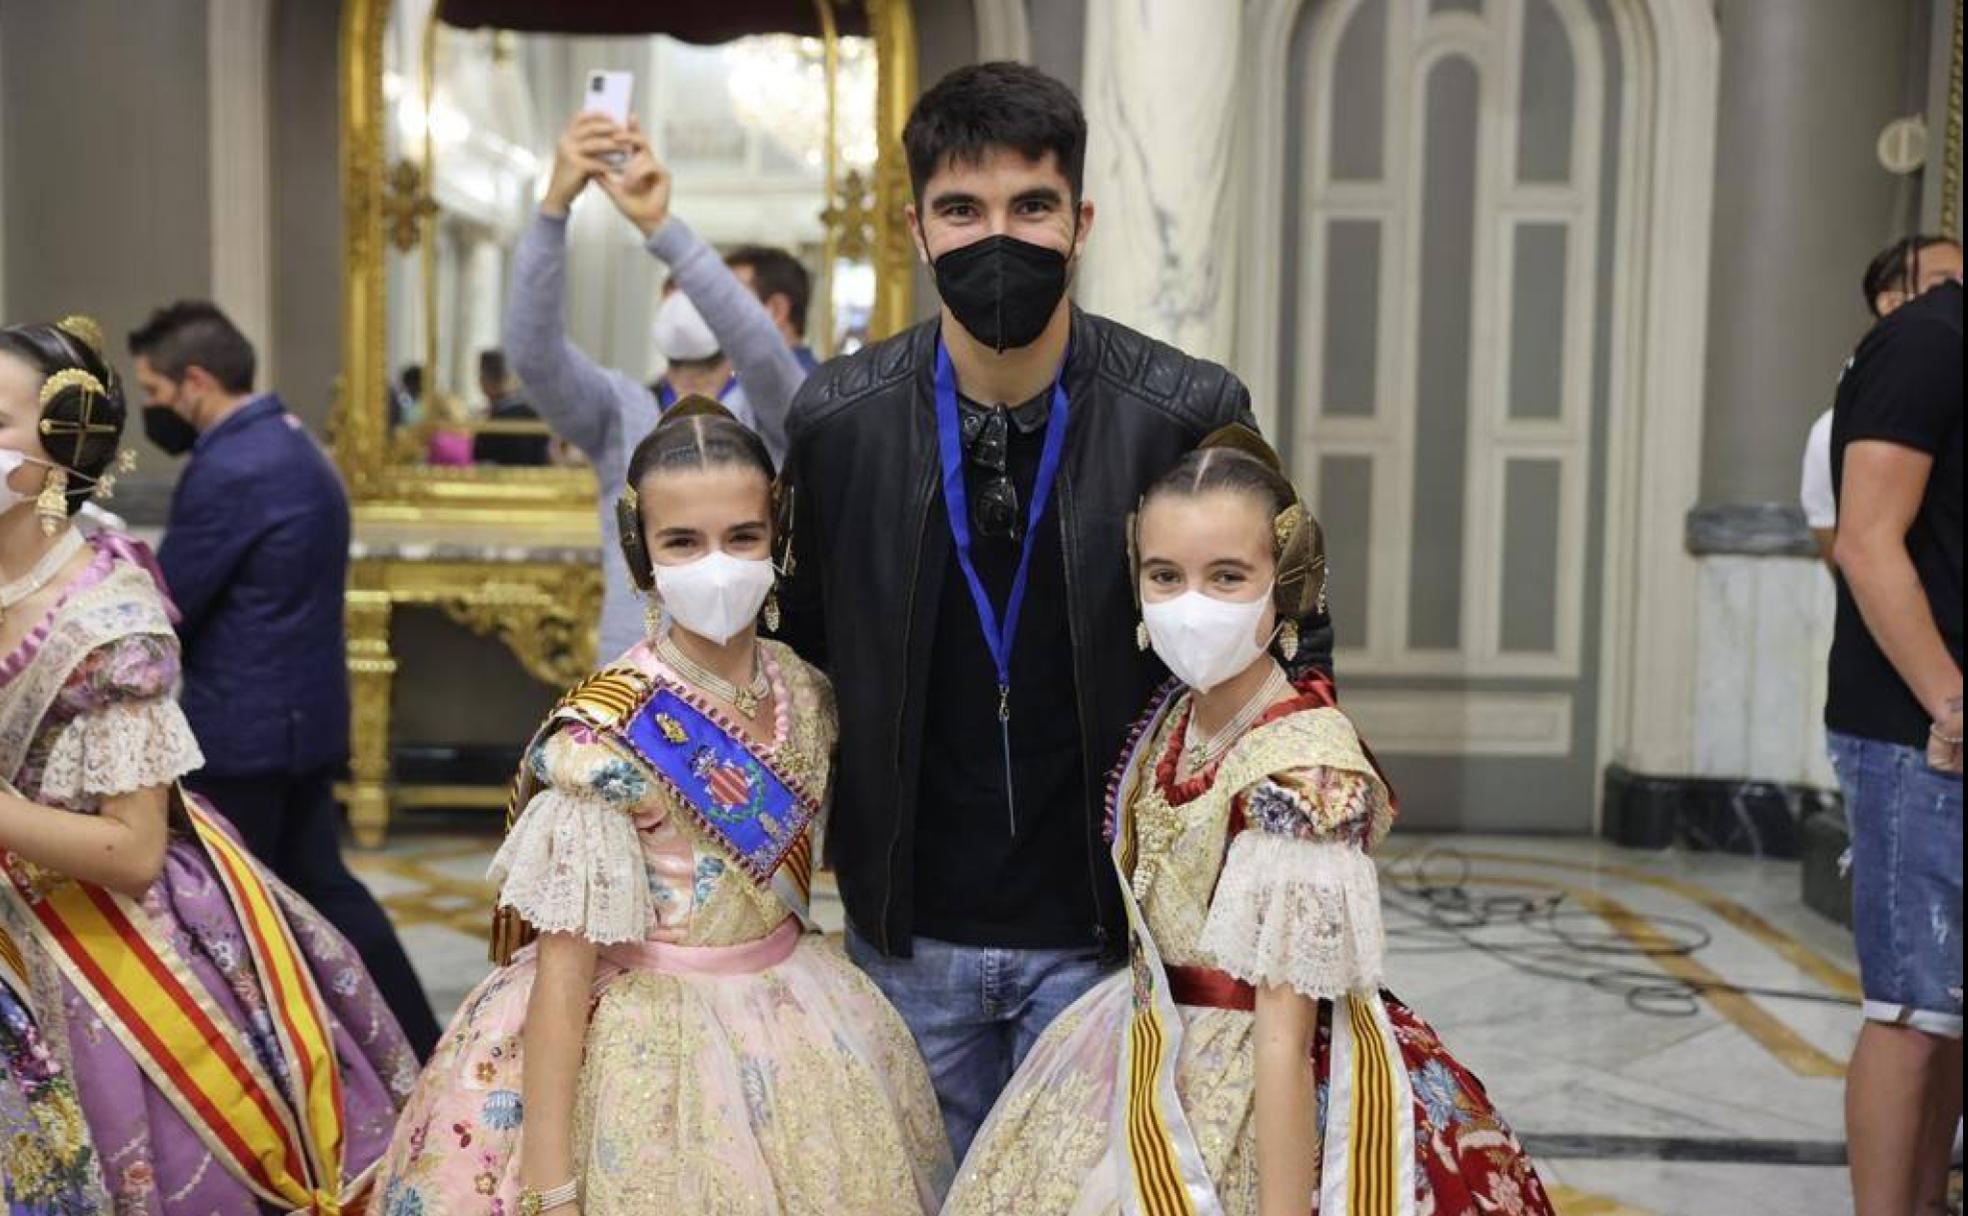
384,205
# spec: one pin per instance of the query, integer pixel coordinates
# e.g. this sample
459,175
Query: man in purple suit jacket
256,555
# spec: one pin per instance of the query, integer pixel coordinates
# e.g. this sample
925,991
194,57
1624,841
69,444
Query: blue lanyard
666,395
999,633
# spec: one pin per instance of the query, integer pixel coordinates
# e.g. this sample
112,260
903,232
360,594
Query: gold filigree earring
652,615
1142,641
1288,640
52,504
772,611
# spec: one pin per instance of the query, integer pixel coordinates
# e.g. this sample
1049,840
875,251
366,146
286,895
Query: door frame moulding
1671,52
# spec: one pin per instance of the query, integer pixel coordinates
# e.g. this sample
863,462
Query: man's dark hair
1897,268
491,366
194,333
777,273
996,105
413,379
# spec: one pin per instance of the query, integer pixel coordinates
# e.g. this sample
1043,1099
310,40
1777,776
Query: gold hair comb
63,380
83,329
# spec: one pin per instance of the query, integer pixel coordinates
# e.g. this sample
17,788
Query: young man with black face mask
960,498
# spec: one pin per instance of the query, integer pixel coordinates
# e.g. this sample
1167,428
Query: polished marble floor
1666,1030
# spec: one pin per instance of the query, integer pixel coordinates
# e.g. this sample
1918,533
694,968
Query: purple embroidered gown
83,719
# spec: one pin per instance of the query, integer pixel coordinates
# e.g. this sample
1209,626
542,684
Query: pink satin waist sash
669,958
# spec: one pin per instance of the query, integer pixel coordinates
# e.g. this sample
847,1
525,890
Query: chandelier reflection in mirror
778,86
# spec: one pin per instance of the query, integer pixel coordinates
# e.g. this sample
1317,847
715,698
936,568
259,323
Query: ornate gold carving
407,206
852,215
544,612
372,673
894,29
548,624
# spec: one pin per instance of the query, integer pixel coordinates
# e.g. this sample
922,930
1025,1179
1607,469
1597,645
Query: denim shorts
1905,820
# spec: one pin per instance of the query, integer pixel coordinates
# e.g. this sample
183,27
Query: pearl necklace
43,573
1199,753
745,700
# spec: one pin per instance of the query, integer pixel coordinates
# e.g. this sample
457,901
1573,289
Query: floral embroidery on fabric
709,870
619,782
1436,1089
47,1166
503,1110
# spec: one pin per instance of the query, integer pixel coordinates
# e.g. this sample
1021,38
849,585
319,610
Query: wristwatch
533,1203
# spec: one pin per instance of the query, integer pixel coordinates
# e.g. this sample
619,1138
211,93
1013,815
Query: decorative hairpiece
1286,526
83,329
63,380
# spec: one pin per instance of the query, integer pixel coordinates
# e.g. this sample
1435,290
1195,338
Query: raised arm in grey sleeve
581,401
757,350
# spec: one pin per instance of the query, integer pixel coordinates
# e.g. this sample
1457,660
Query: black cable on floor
1562,942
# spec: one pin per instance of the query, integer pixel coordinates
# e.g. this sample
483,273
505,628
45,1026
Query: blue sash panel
732,792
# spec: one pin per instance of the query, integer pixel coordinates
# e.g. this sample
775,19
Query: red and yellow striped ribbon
300,1017
1151,1147
1375,1137
108,948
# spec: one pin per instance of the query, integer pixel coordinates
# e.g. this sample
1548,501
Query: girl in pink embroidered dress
673,1042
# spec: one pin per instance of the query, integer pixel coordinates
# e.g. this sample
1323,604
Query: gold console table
539,593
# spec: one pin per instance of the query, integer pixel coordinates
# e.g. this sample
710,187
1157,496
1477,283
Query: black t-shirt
979,883
1904,387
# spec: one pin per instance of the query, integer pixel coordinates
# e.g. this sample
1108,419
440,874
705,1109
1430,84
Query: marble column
238,50
1801,204
1161,94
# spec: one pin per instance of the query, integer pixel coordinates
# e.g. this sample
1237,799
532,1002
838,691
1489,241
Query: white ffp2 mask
10,462
717,596
1204,640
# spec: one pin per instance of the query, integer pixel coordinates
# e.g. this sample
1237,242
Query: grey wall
307,206
1801,205
103,131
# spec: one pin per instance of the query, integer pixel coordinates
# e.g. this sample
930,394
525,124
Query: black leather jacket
869,560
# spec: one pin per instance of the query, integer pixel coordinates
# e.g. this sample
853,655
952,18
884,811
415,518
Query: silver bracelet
1934,732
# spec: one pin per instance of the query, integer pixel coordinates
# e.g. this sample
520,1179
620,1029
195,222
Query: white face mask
10,461
680,331
1204,640
716,597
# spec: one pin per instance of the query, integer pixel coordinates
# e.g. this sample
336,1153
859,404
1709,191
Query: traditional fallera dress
733,1063
1141,1098
230,1054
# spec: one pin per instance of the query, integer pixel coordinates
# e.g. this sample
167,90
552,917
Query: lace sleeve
1299,913
572,865
119,748
573,862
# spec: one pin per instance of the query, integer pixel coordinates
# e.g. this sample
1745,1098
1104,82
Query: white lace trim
124,747
1300,913
573,864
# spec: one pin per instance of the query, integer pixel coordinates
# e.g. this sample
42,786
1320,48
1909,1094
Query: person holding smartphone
605,412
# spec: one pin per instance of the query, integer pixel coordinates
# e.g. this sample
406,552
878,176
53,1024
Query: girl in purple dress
230,1054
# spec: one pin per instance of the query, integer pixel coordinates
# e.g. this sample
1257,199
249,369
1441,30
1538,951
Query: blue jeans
1905,821
976,1011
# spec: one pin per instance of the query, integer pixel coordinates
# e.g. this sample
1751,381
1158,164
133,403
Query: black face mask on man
1002,290
171,434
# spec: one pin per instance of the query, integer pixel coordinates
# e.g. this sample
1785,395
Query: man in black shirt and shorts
1894,716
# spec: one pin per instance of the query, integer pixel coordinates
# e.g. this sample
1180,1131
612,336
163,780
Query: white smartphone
609,93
